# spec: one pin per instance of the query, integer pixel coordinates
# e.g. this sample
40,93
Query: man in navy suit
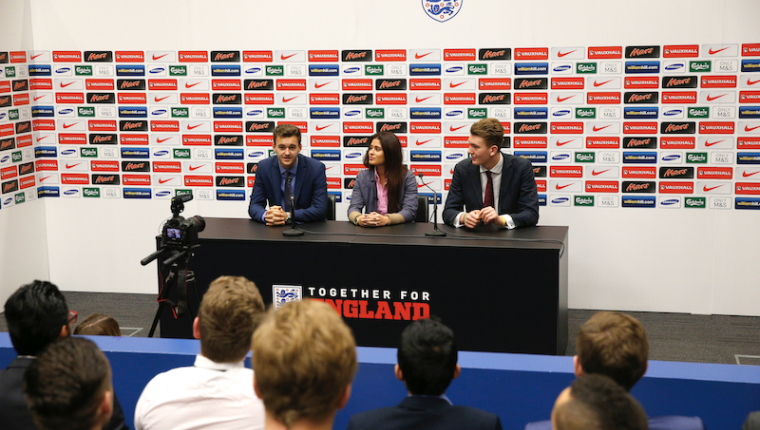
491,187
427,363
290,177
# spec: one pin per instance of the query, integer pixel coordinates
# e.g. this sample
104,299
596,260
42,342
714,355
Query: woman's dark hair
395,172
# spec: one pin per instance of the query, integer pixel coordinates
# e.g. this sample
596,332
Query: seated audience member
387,190
68,386
98,325
752,422
37,316
615,345
304,357
596,402
217,392
427,363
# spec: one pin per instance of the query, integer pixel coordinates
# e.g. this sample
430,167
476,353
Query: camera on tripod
178,231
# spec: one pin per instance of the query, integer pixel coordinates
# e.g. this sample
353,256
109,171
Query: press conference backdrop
643,126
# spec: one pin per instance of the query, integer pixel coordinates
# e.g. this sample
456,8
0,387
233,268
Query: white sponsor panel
609,112
109,153
423,55
568,53
459,84
158,112
674,66
291,99
669,202
559,200
195,167
749,127
157,70
297,113
750,81
726,66
196,126
160,56
566,142
715,142
500,112
720,50
604,172
723,112
66,111
396,69
563,157
425,99
608,201
610,67
203,154
501,68
255,155
326,127
39,57
670,157
595,128
713,187
608,157
722,157
353,113
41,97
323,84
424,142
332,169
567,98
561,113
253,70
566,185
193,84
168,180
747,173
165,139
396,113
68,125
47,178
163,98
290,56
68,84
455,69
352,70
105,112
715,202
68,153
459,128
717,97
601,83
673,112
69,192
61,70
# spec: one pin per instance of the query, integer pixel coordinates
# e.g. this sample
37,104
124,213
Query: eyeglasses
72,317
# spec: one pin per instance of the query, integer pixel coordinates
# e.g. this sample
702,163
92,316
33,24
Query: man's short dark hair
286,130
427,357
599,403
65,385
35,314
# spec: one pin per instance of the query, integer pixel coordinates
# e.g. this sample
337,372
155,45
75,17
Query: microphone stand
292,232
435,231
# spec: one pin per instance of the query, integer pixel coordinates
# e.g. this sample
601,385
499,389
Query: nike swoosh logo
561,99
190,127
423,142
163,181
43,137
595,173
158,99
563,186
456,85
601,128
285,57
705,189
599,84
422,185
420,100
159,140
746,128
418,56
70,125
196,167
745,175
562,54
37,98
711,98
713,143
715,52
67,84
191,85
159,57
284,100
318,128
70,166
44,178
321,85
564,143
455,129
35,56
752,82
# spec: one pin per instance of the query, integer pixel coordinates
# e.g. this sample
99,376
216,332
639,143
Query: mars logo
357,55
229,181
128,166
259,126
394,127
356,141
442,11
227,99
647,187
227,56
680,173
101,98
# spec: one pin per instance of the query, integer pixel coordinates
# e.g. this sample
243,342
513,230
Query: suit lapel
275,179
300,176
506,179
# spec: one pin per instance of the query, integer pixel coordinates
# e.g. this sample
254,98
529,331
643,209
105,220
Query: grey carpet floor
672,337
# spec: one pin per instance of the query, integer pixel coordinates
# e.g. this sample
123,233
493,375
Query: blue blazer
518,195
310,192
422,413
364,195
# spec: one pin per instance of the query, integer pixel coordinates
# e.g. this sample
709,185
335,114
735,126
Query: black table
499,290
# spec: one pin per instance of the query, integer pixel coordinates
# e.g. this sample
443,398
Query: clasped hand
487,215
374,219
276,216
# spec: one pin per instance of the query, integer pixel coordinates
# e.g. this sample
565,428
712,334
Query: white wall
629,259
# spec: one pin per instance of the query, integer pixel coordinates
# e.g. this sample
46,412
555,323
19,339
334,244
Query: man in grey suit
491,187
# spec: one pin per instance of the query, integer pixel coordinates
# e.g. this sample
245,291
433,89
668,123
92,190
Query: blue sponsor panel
749,112
642,67
747,203
531,68
143,153
48,192
438,197
641,112
324,113
133,112
750,65
228,154
228,112
533,156
230,194
427,113
533,113
136,193
324,70
45,152
338,196
748,158
40,70
639,201
43,111
130,70
542,199
326,154
425,156
640,157
225,70
671,112
425,69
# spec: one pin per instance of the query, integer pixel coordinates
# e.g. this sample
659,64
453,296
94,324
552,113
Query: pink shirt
382,195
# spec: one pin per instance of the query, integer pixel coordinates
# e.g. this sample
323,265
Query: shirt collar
205,363
292,170
497,168
442,397
377,178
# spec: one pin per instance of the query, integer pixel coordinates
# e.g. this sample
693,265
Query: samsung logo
675,66
164,193
158,112
157,70
352,155
65,111
455,113
349,70
71,192
454,156
562,68
5,159
672,157
161,153
68,152
669,202
560,200
3,115
61,70
564,112
255,113
255,154
454,69
353,113
673,112
253,70
560,157
8,201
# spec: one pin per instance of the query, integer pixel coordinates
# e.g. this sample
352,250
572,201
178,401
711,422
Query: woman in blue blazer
387,190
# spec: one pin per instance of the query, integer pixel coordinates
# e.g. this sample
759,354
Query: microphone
292,232
435,231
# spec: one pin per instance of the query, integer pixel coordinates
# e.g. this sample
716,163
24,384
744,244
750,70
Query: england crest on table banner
442,11
282,294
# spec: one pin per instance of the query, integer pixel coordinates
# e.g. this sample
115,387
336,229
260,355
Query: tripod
179,276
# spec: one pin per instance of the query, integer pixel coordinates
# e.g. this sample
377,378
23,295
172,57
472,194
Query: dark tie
288,193
488,199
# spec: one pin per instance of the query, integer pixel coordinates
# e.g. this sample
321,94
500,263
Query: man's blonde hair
304,358
230,311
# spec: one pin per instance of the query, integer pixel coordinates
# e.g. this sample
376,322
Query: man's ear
65,332
493,150
578,370
256,387
345,397
197,328
457,371
397,371
105,408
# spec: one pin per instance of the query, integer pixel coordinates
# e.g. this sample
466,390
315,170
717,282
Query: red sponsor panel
359,127
751,50
301,125
672,142
747,188
5,86
715,173
716,127
324,99
20,99
640,172
599,142
541,185
566,171
199,181
132,98
167,167
193,56
257,99
325,141
528,142
75,178
353,169
531,98
129,56
6,130
647,127
228,126
9,172
291,84
748,142
40,84
605,52
456,142
708,81
67,57
459,98
104,166
605,98
52,165
199,98
602,186
72,138
566,128
390,99
432,84
749,96
488,84
196,139
27,182
459,55
135,179
162,84
324,56
69,98
568,83
356,84
18,57
43,124
676,187
101,125
99,84
228,167
641,82
226,84
334,183
507,127
250,180
675,97
257,56
680,51
390,55
133,139
425,127
164,126
23,141
427,170
526,54
258,140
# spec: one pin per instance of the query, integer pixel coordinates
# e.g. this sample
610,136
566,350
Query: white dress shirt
496,179
208,395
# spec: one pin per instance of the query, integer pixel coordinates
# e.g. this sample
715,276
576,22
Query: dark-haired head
36,314
427,357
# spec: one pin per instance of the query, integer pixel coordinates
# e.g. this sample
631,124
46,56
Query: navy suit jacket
518,195
310,192
420,413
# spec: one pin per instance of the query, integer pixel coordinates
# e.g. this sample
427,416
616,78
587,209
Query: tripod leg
155,319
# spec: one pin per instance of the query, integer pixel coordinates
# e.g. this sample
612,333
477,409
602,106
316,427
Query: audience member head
98,325
304,359
427,357
491,130
230,311
68,386
615,345
37,315
596,402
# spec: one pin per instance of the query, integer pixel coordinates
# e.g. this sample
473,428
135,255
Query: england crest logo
443,10
282,294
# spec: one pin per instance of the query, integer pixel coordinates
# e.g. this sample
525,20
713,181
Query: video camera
178,231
